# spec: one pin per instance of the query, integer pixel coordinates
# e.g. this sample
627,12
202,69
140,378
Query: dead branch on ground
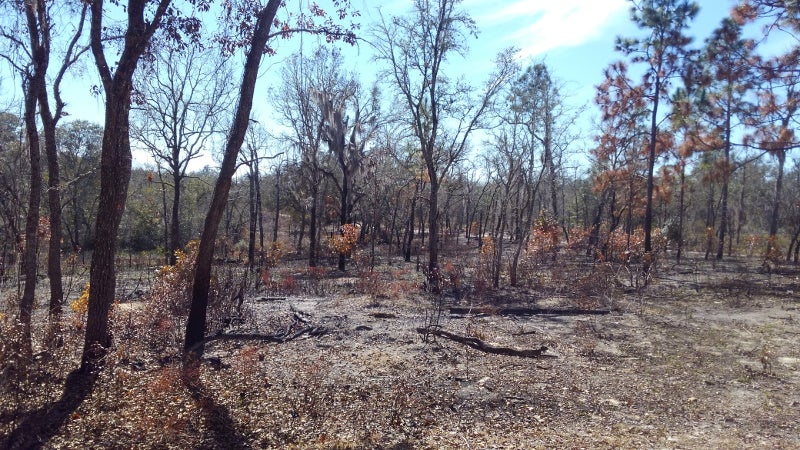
484,347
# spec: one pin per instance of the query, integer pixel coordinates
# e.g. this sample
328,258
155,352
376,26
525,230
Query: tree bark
115,167
196,324
29,266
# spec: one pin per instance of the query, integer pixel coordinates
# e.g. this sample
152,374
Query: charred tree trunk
196,323
115,166
29,266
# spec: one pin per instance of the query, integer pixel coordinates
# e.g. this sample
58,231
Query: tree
536,96
779,110
729,59
778,96
300,77
617,160
686,123
661,51
79,151
256,139
180,108
142,19
347,137
416,49
32,63
256,35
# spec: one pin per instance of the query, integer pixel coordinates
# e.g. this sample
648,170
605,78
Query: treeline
387,203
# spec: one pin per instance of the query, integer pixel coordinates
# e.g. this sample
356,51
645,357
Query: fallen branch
270,299
521,311
275,338
484,347
278,338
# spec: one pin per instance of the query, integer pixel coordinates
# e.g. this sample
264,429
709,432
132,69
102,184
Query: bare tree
439,109
181,106
256,36
347,137
36,21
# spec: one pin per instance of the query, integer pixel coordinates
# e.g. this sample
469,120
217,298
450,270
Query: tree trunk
651,162
344,212
723,217
251,232
196,323
277,204
115,172
313,228
175,220
29,266
49,122
710,219
433,225
115,167
259,211
776,206
681,212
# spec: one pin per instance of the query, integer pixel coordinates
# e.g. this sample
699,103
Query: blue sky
574,37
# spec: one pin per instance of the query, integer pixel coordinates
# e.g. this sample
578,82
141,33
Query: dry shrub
484,267
315,281
545,238
167,305
273,255
79,307
345,242
369,283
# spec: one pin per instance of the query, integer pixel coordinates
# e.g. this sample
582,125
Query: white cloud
538,26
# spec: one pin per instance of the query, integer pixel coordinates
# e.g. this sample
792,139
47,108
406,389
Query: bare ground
704,357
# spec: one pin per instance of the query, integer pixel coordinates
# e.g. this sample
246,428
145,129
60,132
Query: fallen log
484,347
522,311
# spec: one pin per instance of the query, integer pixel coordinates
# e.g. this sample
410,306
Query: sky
575,38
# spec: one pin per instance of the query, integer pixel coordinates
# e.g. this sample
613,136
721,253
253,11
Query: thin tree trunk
651,162
196,323
681,212
175,220
776,207
723,218
252,223
277,205
29,266
168,254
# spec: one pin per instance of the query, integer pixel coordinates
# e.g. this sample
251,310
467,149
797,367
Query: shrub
545,237
167,305
345,242
81,304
